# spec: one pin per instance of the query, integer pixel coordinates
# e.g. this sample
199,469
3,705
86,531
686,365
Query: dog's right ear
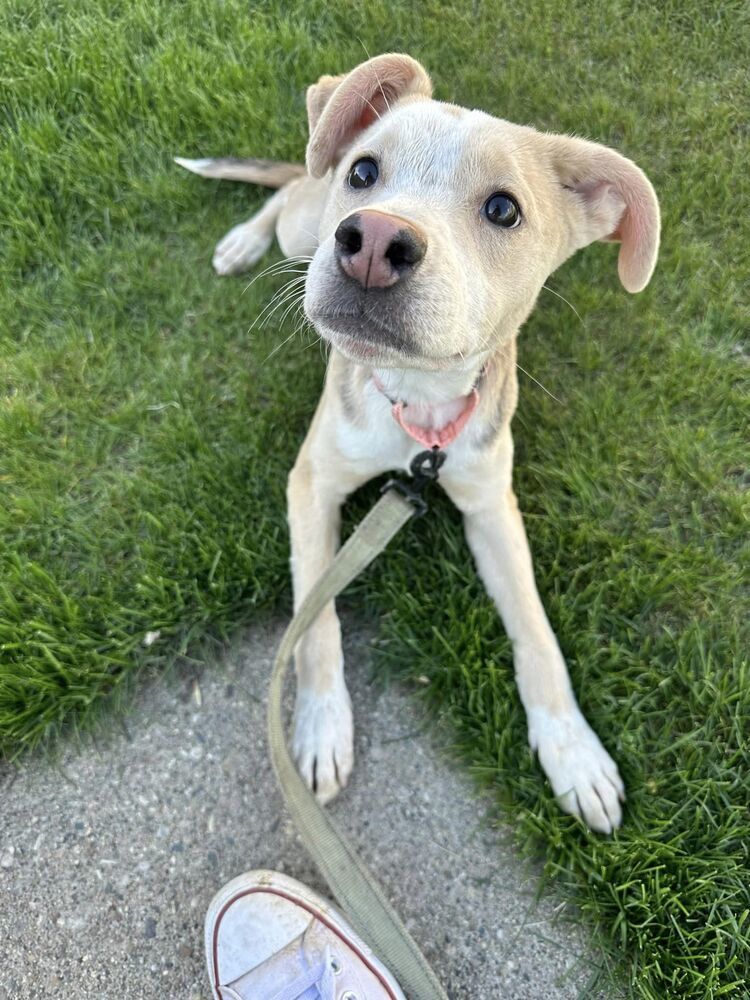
341,107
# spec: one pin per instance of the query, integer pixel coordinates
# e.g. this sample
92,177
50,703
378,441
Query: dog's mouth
364,339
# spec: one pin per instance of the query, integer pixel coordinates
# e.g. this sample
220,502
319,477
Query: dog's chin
366,343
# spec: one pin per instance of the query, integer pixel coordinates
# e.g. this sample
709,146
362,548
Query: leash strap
351,882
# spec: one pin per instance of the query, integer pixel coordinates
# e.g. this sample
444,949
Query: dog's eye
363,174
502,210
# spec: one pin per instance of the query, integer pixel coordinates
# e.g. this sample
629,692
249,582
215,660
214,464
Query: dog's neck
432,407
430,389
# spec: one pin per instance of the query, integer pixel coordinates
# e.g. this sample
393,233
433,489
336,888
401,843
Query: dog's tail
268,173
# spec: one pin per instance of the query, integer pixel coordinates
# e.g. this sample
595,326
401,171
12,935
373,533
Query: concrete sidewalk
108,860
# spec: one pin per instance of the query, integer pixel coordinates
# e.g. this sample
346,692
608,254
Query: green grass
146,438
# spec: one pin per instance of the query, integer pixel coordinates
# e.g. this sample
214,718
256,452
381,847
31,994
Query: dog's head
442,224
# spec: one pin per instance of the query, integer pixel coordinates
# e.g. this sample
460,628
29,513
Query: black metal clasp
425,468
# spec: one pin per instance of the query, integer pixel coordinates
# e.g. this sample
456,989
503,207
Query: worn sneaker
269,937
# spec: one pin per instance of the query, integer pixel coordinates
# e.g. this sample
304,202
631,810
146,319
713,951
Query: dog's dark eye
363,174
502,210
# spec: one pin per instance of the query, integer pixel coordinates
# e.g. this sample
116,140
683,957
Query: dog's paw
583,776
240,249
323,742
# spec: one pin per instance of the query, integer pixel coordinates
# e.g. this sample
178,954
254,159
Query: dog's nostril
405,251
348,236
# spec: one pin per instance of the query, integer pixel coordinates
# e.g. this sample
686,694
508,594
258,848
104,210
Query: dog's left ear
611,199
318,95
340,110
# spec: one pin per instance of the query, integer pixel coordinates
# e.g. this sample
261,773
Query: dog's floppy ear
353,104
613,200
318,95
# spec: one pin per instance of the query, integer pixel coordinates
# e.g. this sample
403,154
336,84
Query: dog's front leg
323,729
582,774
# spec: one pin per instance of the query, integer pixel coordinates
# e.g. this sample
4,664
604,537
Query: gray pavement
108,859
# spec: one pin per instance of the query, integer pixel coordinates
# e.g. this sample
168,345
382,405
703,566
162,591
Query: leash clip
425,468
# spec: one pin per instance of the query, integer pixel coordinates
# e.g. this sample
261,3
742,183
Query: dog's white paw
323,742
583,776
240,249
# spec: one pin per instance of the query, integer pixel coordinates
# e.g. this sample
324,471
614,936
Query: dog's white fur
465,303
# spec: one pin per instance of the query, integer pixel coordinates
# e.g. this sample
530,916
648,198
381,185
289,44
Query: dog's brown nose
376,249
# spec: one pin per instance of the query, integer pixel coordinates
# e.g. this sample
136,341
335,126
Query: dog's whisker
304,327
293,295
295,303
281,293
292,271
372,106
278,348
302,332
278,266
380,85
364,47
313,343
486,345
278,273
289,289
296,277
284,262
286,266
309,232
529,375
295,332
376,75
297,329
567,303
300,318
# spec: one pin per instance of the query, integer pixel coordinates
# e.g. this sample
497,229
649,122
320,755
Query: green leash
352,884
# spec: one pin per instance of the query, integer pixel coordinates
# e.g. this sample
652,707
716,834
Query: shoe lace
318,977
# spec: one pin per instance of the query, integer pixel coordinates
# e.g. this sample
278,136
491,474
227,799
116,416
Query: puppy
430,230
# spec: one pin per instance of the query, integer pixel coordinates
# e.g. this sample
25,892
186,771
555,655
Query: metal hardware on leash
425,468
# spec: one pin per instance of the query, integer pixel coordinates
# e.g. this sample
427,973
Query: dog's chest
374,442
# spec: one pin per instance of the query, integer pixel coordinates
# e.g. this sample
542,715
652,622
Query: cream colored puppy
432,229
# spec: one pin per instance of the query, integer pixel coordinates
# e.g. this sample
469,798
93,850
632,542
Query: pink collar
432,437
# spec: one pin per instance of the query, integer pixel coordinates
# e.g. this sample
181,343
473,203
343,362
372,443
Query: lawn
147,430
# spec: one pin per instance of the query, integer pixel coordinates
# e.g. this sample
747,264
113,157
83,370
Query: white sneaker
269,937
